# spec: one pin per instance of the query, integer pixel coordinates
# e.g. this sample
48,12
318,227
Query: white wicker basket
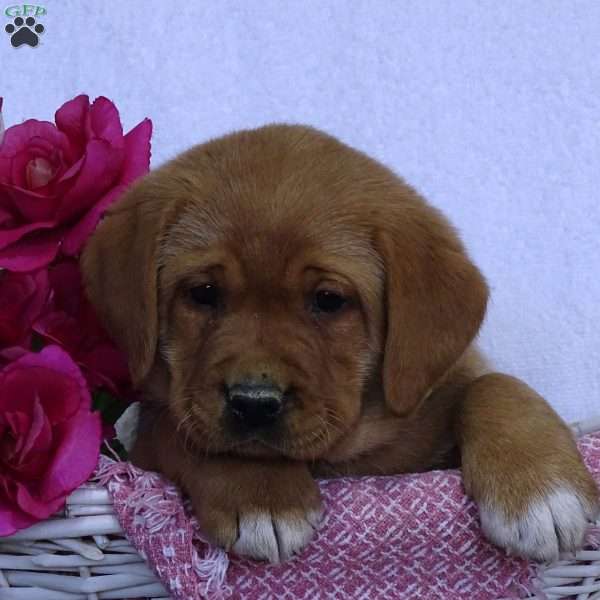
83,554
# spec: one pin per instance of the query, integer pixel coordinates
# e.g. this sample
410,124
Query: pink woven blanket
413,536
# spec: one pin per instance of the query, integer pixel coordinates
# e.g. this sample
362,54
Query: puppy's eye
206,295
326,301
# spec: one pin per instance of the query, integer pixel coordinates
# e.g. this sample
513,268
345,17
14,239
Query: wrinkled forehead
271,245
276,199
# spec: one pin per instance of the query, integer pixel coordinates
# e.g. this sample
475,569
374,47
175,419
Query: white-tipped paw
275,538
551,524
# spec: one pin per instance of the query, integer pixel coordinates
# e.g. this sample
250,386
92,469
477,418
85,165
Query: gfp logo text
25,10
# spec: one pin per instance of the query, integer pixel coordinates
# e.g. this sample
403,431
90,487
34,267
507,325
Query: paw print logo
24,32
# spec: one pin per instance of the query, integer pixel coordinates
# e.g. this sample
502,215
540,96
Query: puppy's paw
275,536
521,464
265,511
550,523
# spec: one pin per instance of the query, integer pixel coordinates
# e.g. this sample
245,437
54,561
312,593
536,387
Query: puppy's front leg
521,465
266,510
263,510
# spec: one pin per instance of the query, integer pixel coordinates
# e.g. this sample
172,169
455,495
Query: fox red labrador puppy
291,308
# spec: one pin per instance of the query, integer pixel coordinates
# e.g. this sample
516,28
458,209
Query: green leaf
37,342
110,407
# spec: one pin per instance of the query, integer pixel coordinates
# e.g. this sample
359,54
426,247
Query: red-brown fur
391,384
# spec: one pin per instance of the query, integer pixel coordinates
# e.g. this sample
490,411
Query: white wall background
491,109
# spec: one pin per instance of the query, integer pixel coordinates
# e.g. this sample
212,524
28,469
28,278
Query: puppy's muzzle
254,405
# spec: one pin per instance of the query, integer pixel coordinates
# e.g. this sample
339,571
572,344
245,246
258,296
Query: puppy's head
271,276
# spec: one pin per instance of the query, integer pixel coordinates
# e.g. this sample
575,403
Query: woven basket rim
83,553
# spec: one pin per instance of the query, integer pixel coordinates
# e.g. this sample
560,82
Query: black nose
254,405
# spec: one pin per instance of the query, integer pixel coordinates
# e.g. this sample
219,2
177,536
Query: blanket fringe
156,510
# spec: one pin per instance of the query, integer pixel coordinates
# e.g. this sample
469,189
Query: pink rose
71,322
23,298
1,121
56,181
49,438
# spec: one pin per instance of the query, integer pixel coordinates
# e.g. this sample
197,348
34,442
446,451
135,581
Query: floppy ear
120,273
435,303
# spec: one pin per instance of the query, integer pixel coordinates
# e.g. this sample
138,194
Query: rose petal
37,148
13,331
1,121
99,172
31,252
31,206
137,152
136,164
57,359
16,291
60,328
89,320
39,434
6,216
20,136
9,236
39,172
69,174
72,119
71,116
17,394
75,239
105,122
65,279
42,506
18,164
12,518
8,355
106,366
77,454
39,300
22,384
19,424
23,296
51,390
37,136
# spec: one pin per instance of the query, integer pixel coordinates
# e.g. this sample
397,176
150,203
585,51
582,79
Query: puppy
292,309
